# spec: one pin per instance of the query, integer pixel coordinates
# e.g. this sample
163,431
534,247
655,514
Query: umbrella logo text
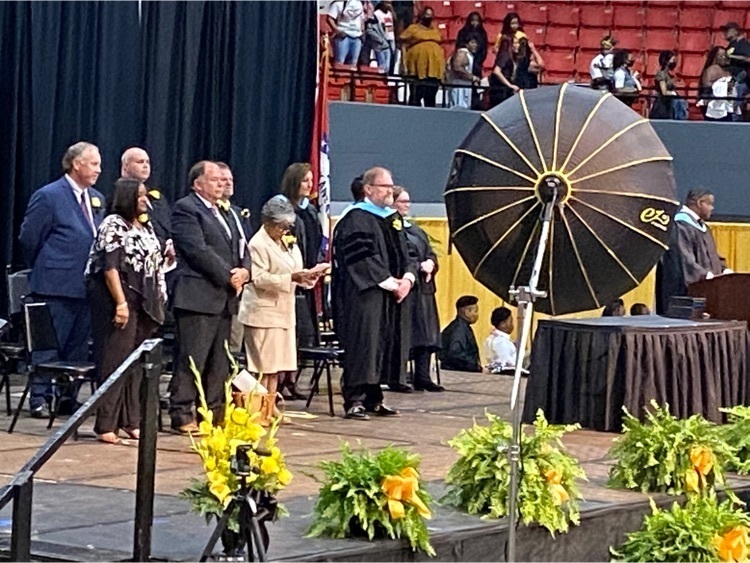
656,218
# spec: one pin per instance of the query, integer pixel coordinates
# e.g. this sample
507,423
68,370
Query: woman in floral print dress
125,279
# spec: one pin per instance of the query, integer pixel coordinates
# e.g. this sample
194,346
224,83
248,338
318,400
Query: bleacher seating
567,33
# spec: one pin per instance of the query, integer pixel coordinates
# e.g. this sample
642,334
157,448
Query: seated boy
460,351
499,348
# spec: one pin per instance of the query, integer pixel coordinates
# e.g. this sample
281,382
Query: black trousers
200,337
421,356
424,90
366,395
121,407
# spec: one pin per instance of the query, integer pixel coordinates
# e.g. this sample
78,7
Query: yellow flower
284,476
155,194
240,416
96,202
732,545
289,240
692,481
143,218
553,476
209,463
269,465
404,487
559,494
702,459
222,492
398,224
205,428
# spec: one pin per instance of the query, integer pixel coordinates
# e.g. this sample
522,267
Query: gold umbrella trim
493,212
497,165
532,130
623,223
622,167
609,141
578,257
490,189
583,129
497,243
511,144
558,110
628,194
525,252
605,246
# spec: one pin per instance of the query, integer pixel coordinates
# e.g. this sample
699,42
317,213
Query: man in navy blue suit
56,236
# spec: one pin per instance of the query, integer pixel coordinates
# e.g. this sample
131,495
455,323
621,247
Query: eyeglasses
387,186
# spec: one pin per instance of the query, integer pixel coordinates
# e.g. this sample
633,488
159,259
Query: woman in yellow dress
423,59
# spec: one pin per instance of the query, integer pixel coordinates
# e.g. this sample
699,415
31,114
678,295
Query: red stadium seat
595,14
563,14
532,13
691,66
443,9
722,17
695,17
660,40
695,41
451,29
535,33
629,16
735,5
463,9
632,39
443,28
583,61
561,37
661,17
559,61
650,66
590,38
495,11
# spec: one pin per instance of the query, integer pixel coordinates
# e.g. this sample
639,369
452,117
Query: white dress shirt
215,210
500,350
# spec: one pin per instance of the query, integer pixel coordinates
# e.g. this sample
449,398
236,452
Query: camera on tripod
241,464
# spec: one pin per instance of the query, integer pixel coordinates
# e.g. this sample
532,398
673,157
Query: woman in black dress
126,288
425,324
296,186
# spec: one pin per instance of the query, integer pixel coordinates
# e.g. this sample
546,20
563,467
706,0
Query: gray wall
418,143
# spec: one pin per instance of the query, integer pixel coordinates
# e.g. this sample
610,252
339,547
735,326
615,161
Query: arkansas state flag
319,161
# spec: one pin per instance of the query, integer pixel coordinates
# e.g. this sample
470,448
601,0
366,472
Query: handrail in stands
20,489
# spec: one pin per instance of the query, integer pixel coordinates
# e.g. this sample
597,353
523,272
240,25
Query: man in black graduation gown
692,254
372,275
460,351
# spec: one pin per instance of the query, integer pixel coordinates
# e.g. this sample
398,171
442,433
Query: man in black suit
212,272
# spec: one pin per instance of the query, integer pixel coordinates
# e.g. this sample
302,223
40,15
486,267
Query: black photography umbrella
562,197
616,196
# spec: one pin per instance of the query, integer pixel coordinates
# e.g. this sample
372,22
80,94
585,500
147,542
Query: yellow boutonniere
289,240
398,224
155,194
245,213
96,202
143,218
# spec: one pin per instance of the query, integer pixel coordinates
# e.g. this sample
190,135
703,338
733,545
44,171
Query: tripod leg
257,543
220,527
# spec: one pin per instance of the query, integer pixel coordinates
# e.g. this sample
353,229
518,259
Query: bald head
378,186
135,164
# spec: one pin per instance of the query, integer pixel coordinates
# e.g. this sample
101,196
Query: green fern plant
737,435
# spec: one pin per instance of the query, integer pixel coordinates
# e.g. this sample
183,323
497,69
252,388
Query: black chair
322,358
41,342
12,347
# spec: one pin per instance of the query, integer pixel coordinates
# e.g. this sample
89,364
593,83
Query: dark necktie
85,209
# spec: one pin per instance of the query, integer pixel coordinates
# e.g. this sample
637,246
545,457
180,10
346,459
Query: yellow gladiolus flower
222,492
240,416
692,481
702,459
284,476
269,465
732,545
396,509
559,494
205,427
209,463
553,476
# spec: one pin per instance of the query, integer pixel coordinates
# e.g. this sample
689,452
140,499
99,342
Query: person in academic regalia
692,254
372,275
425,324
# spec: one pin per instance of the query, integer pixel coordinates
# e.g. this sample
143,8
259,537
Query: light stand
548,192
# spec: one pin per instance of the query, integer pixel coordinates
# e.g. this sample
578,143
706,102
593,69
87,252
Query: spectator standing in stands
501,78
423,59
667,104
512,29
738,51
128,295
386,19
346,19
626,83
600,69
425,324
459,75
527,66
716,82
460,351
474,29
639,309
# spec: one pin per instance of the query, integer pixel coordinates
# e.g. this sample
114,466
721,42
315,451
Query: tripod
251,519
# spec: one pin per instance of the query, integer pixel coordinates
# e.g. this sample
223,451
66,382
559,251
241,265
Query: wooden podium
727,296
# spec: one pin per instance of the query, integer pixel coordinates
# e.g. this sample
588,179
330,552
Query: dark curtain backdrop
231,81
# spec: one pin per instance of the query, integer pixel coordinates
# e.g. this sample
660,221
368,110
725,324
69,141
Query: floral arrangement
737,435
376,495
665,454
479,481
211,495
702,530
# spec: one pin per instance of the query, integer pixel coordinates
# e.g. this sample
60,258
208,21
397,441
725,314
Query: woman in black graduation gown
425,325
296,185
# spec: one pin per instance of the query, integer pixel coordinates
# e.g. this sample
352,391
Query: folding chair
41,342
12,352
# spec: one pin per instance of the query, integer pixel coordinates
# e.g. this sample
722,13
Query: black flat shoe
431,387
382,410
357,413
401,388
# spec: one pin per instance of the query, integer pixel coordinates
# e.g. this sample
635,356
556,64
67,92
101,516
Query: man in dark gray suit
212,271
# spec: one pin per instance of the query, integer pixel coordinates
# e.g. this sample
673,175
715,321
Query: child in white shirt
499,348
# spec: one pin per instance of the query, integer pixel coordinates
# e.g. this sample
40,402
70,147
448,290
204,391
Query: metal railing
21,488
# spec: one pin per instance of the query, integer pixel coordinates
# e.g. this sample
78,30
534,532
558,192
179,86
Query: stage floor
83,500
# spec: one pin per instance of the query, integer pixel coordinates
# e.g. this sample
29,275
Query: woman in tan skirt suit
267,306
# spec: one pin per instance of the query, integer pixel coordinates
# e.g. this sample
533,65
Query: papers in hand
247,384
321,268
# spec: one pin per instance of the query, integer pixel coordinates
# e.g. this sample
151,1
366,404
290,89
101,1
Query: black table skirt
586,370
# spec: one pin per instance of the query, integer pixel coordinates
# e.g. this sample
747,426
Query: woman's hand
305,277
515,88
122,314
